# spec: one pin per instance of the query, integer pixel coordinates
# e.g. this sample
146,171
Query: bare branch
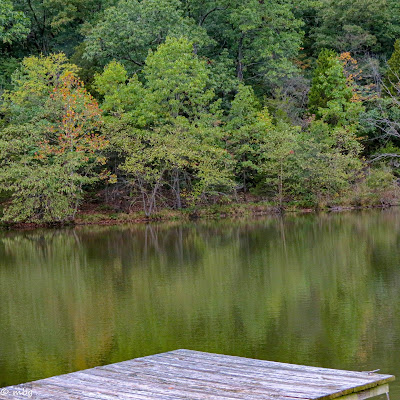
204,17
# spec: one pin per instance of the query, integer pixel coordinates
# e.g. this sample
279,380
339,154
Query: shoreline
217,212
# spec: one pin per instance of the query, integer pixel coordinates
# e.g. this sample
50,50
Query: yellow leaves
107,176
40,156
101,160
265,118
112,179
76,131
352,73
356,98
350,66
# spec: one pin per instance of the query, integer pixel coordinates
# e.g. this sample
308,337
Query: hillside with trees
127,106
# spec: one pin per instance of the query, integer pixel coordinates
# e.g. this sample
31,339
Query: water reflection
319,290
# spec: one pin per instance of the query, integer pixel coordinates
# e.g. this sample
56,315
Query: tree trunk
281,187
240,59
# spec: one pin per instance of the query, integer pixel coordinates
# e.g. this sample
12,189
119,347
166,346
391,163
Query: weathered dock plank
187,374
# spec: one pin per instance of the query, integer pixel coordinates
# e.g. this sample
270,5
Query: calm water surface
317,290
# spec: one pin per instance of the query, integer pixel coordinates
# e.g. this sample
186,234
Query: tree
195,94
47,160
261,53
7,67
279,150
131,28
120,94
14,25
32,83
178,81
320,171
392,80
258,39
261,37
54,25
359,27
174,157
381,121
175,84
331,96
245,135
328,83
338,107
300,166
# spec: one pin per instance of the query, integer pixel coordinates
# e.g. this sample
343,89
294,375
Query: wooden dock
186,374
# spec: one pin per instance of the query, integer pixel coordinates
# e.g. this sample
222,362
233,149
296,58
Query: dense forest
130,105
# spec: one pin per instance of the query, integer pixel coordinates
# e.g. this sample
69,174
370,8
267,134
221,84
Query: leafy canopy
331,97
130,28
14,25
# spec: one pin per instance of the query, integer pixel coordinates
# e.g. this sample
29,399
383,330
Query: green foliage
165,129
222,77
393,71
42,194
130,28
55,25
119,94
7,67
14,25
380,122
244,108
322,168
32,83
279,153
380,179
49,156
246,134
309,166
175,157
265,36
359,26
259,38
87,68
177,80
378,188
329,82
176,83
331,96
199,99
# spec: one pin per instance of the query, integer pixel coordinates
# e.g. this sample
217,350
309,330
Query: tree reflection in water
313,289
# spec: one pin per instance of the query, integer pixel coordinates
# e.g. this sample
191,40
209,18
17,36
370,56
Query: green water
317,290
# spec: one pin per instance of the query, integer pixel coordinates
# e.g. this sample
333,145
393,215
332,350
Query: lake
319,290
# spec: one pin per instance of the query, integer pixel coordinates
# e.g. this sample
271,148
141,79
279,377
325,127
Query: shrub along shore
103,215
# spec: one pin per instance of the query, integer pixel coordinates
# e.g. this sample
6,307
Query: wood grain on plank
186,374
